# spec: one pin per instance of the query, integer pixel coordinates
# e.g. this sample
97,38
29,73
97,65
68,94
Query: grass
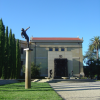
97,80
83,77
38,91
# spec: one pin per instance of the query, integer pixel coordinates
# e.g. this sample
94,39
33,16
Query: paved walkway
78,91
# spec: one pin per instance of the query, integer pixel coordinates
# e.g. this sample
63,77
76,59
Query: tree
10,55
19,68
17,57
92,68
86,71
97,63
92,52
90,55
95,43
6,53
13,56
18,60
91,58
2,42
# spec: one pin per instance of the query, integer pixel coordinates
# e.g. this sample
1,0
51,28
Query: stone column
28,68
59,49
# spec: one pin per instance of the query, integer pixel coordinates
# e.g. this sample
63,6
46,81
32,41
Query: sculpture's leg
28,42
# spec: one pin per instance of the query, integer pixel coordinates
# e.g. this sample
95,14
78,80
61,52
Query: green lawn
38,91
97,80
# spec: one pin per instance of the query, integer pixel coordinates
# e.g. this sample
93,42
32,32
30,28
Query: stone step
41,80
45,80
69,77
63,80
73,78
36,80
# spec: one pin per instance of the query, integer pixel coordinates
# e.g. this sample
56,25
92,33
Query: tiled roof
47,38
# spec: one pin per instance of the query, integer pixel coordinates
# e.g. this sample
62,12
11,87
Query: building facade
59,57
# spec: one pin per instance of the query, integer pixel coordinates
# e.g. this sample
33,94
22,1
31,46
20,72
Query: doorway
60,68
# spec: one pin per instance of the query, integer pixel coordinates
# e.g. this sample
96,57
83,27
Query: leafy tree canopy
92,53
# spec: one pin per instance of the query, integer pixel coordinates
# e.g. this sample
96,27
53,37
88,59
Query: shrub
35,70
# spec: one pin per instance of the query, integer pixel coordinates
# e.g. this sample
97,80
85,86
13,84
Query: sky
53,18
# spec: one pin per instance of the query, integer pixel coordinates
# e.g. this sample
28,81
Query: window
56,49
68,49
62,49
21,50
50,49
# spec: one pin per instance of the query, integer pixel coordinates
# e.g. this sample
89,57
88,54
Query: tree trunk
97,53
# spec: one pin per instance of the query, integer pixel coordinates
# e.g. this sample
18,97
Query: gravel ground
78,91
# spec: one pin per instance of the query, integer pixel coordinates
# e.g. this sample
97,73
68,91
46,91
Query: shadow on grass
29,90
22,88
32,87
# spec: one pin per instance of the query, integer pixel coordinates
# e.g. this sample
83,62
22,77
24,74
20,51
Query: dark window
50,49
62,49
21,50
56,49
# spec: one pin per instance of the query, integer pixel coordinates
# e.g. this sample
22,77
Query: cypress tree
10,55
17,59
2,42
0,48
14,55
6,53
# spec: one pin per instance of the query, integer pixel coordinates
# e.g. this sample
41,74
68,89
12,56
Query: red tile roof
46,38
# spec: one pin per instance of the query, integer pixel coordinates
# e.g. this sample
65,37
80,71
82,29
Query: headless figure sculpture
23,34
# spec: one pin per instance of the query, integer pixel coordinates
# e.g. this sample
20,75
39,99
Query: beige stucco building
60,55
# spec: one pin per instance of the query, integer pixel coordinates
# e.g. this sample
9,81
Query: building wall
42,55
55,54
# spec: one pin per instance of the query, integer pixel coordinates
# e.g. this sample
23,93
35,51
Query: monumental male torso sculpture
23,34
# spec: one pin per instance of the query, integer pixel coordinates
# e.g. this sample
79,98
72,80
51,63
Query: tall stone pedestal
28,68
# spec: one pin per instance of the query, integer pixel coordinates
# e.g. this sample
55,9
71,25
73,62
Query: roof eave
69,41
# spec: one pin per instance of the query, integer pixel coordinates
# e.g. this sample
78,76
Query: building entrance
60,68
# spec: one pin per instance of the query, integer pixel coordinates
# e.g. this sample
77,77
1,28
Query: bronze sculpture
50,73
23,34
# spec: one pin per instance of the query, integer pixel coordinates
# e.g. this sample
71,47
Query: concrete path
78,91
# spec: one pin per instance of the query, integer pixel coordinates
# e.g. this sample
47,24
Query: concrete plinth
28,68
